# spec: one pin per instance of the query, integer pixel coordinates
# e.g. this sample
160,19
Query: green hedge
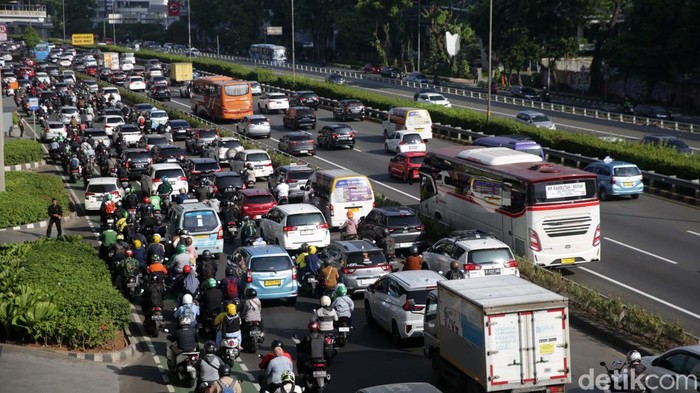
22,151
27,197
79,307
661,160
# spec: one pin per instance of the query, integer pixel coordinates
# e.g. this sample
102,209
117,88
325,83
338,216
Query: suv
199,166
262,163
273,101
402,222
305,98
96,190
292,225
152,179
226,184
479,253
271,272
358,271
391,301
296,177
349,109
336,135
299,116
198,138
669,141
135,161
617,178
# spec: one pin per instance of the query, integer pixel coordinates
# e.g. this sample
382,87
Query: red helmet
314,326
146,200
129,253
187,269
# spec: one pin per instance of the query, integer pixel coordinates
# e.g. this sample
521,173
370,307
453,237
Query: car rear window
299,137
305,113
101,188
172,151
270,264
170,173
95,133
229,181
402,221
627,171
376,257
114,120
412,138
309,95
276,96
300,175
159,115
157,140
207,166
498,255
419,296
305,219
259,199
232,144
140,156
342,130
207,134
258,157
179,123
259,121
416,160
200,221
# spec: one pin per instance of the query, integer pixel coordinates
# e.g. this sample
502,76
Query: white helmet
325,301
186,321
634,356
187,299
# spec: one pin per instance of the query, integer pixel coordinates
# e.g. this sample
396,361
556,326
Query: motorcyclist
108,238
182,196
251,309
155,248
228,325
326,315
185,340
181,259
270,355
282,191
634,372
186,283
209,364
329,276
207,266
311,347
188,310
348,231
225,382
118,251
454,273
201,192
248,230
131,200
120,212
126,267
152,296
139,253
165,188
155,201
248,174
212,299
107,208
310,262
414,261
387,243
343,305
288,384
129,230
74,123
157,268
230,285
279,362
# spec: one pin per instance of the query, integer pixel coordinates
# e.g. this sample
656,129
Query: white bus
338,191
546,212
268,52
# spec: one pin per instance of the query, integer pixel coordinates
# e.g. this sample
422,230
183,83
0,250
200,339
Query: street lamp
419,4
63,4
490,80
294,63
189,29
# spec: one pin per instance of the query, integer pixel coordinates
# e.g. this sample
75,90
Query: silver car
360,263
537,119
254,125
679,366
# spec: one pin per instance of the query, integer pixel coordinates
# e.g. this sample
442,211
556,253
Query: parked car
537,119
299,117
273,101
293,225
403,224
669,141
349,109
361,263
305,98
336,135
254,125
616,178
296,143
406,165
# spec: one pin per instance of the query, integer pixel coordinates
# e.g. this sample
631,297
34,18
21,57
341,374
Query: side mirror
371,288
441,273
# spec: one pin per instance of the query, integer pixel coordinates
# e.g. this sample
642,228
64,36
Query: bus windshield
356,189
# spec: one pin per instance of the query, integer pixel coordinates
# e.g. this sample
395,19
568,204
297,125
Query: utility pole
490,80
294,63
419,8
64,20
189,29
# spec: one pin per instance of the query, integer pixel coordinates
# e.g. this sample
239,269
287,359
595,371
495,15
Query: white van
409,119
337,191
203,223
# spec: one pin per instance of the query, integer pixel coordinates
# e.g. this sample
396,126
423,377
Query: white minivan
292,225
335,192
408,119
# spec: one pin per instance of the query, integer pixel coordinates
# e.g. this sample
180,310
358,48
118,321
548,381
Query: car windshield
101,188
436,98
416,160
539,118
403,221
537,151
495,255
229,181
207,166
207,134
259,199
270,264
375,257
299,137
308,95
170,173
677,143
412,138
353,103
200,221
305,112
158,115
305,219
419,296
626,171
114,120
300,175
138,156
276,96
258,157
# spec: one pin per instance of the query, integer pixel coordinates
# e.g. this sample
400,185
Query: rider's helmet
211,283
206,254
249,166
288,377
341,290
181,249
187,269
634,356
251,293
164,179
413,250
276,344
129,253
314,326
156,259
146,199
246,218
225,371
325,301
312,250
231,309
305,247
184,232
210,347
385,232
108,197
120,236
350,214
156,238
187,299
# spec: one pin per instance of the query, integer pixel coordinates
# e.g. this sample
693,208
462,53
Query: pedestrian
21,129
55,212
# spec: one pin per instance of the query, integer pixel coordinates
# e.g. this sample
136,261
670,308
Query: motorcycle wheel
340,341
72,178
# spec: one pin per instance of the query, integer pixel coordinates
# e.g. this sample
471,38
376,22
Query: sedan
335,79
679,365
404,141
537,119
178,128
389,72
406,165
295,143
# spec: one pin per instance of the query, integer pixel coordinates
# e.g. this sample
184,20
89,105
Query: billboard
83,39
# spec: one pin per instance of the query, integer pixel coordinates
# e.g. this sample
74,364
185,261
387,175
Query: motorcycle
309,284
316,376
130,286
75,171
153,321
231,229
345,236
208,324
628,109
343,332
619,380
228,350
184,367
252,336
329,349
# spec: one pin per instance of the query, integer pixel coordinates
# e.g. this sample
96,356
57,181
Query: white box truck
498,334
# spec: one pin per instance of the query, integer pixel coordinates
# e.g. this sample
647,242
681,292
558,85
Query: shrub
28,196
22,151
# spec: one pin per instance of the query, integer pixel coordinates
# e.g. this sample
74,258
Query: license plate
419,129
273,283
258,167
492,272
156,317
257,217
319,374
354,209
307,232
568,261
627,184
303,151
131,285
413,148
202,237
344,329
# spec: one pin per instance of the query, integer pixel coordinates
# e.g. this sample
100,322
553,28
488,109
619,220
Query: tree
608,13
30,37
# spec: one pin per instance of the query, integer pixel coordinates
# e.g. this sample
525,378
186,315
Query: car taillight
511,263
156,308
386,267
293,142
128,164
220,235
345,270
596,236
420,227
231,223
535,244
332,209
183,178
294,273
402,143
555,389
268,164
246,207
157,180
471,266
216,188
407,305
322,226
319,365
89,194
334,136
289,229
249,276
612,180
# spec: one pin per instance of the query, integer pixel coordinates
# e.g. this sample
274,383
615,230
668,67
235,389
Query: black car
226,184
299,117
300,142
336,135
168,153
653,111
349,109
389,72
305,98
135,161
403,223
159,92
143,109
179,128
526,93
669,141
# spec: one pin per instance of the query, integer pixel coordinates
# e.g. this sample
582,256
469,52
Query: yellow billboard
83,39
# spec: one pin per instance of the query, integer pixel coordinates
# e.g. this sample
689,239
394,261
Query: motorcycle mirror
260,356
602,364
166,330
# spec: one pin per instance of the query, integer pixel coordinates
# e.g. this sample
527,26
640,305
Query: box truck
498,334
180,73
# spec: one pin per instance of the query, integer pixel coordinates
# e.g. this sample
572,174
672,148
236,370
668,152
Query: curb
40,224
25,167
619,339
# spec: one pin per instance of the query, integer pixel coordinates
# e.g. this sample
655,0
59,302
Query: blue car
271,272
617,178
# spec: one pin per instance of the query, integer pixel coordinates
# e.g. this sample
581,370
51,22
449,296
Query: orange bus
221,98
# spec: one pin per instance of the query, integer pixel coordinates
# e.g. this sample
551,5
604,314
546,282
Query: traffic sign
83,39
33,103
274,30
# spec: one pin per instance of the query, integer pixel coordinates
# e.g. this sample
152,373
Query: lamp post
294,63
189,29
490,80
419,6
63,4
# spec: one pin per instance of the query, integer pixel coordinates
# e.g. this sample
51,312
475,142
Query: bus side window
427,187
517,200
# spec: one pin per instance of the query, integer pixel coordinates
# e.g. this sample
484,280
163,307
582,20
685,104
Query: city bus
546,212
268,52
221,98
41,51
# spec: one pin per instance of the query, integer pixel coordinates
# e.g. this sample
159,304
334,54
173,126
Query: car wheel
604,195
404,177
386,148
368,315
395,336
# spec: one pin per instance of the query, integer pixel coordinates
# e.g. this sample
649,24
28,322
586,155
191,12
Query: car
361,263
391,302
254,125
404,141
526,93
404,387
296,177
109,123
60,88
28,71
158,81
126,66
96,190
254,202
226,184
434,99
390,72
67,112
335,79
143,108
271,272
126,135
91,70
65,61
372,68
178,128
262,164
43,77
402,222
479,254
135,161
537,119
158,117
615,178
108,92
97,135
299,117
255,88
91,85
150,140
653,111
197,138
168,153
223,146
154,177
273,101
669,141
136,83
118,78
54,129
159,92
185,90
349,109
295,143
104,73
680,365
336,135
305,98
416,77
292,225
406,165
199,166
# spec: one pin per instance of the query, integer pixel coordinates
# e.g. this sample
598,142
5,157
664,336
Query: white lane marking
693,233
356,149
640,250
180,103
635,290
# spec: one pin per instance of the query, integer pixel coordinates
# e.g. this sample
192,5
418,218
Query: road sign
33,103
83,39
274,30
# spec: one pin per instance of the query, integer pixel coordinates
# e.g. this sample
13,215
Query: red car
406,165
372,68
26,71
253,202
91,70
29,62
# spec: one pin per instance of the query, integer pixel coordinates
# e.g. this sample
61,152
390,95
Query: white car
292,225
416,77
68,74
154,177
126,66
98,188
54,129
43,78
67,112
273,102
433,98
65,61
158,117
262,164
255,88
109,123
91,85
392,301
113,91
404,141
223,146
254,125
89,61
537,119
130,134
136,83
97,135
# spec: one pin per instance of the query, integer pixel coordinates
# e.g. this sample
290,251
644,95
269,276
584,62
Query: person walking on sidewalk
21,128
55,215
